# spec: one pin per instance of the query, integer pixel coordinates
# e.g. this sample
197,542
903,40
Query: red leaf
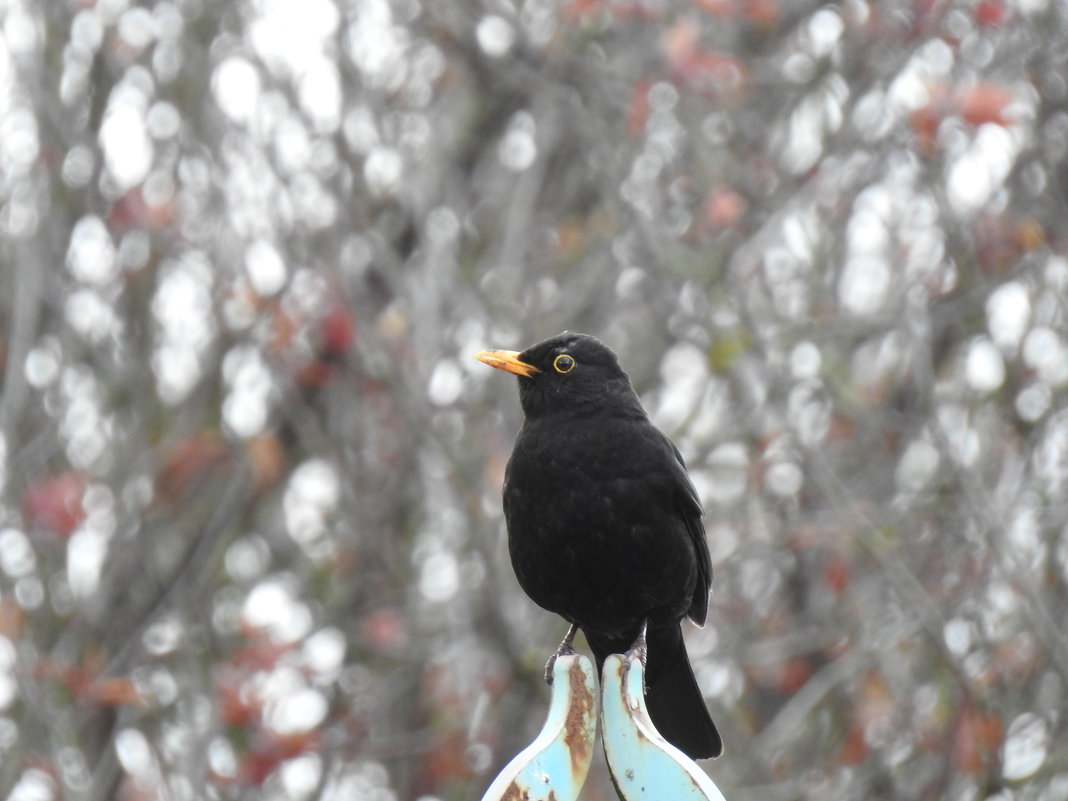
977,738
704,70
724,207
261,652
990,13
112,692
836,574
190,460
337,331
11,617
794,673
855,748
239,707
270,751
638,109
763,13
718,8
580,9
925,121
315,374
256,767
446,761
268,459
385,629
55,505
295,744
82,683
134,210
976,105
984,103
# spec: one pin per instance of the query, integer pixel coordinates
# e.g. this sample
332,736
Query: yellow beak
507,360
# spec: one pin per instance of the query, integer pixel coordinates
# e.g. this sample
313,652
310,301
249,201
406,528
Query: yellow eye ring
563,363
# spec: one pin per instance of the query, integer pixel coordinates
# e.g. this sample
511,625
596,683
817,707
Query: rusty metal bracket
555,764
643,765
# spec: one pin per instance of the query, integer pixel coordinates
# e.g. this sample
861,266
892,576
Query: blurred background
251,541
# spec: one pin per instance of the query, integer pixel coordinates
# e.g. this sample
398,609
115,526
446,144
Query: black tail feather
674,700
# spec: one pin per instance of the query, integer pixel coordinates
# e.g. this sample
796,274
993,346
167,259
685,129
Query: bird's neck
618,405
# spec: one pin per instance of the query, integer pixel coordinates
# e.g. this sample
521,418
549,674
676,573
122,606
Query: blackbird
604,525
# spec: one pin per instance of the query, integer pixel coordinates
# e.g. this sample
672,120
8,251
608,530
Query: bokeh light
251,539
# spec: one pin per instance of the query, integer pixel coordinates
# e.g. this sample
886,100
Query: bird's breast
594,507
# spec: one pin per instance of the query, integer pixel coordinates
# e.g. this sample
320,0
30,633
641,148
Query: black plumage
604,524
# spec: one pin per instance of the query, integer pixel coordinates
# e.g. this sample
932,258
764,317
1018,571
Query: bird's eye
563,363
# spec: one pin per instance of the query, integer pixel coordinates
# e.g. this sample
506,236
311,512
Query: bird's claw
640,649
552,662
565,649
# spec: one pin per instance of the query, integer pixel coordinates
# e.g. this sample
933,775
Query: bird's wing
691,511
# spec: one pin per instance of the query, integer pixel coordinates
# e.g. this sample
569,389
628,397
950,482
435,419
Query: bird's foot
640,649
565,649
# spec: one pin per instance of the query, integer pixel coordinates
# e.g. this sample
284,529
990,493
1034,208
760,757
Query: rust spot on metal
515,793
575,725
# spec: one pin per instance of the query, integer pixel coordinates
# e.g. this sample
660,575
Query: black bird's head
571,373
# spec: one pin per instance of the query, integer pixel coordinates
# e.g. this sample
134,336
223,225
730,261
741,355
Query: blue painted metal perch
555,765
643,765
